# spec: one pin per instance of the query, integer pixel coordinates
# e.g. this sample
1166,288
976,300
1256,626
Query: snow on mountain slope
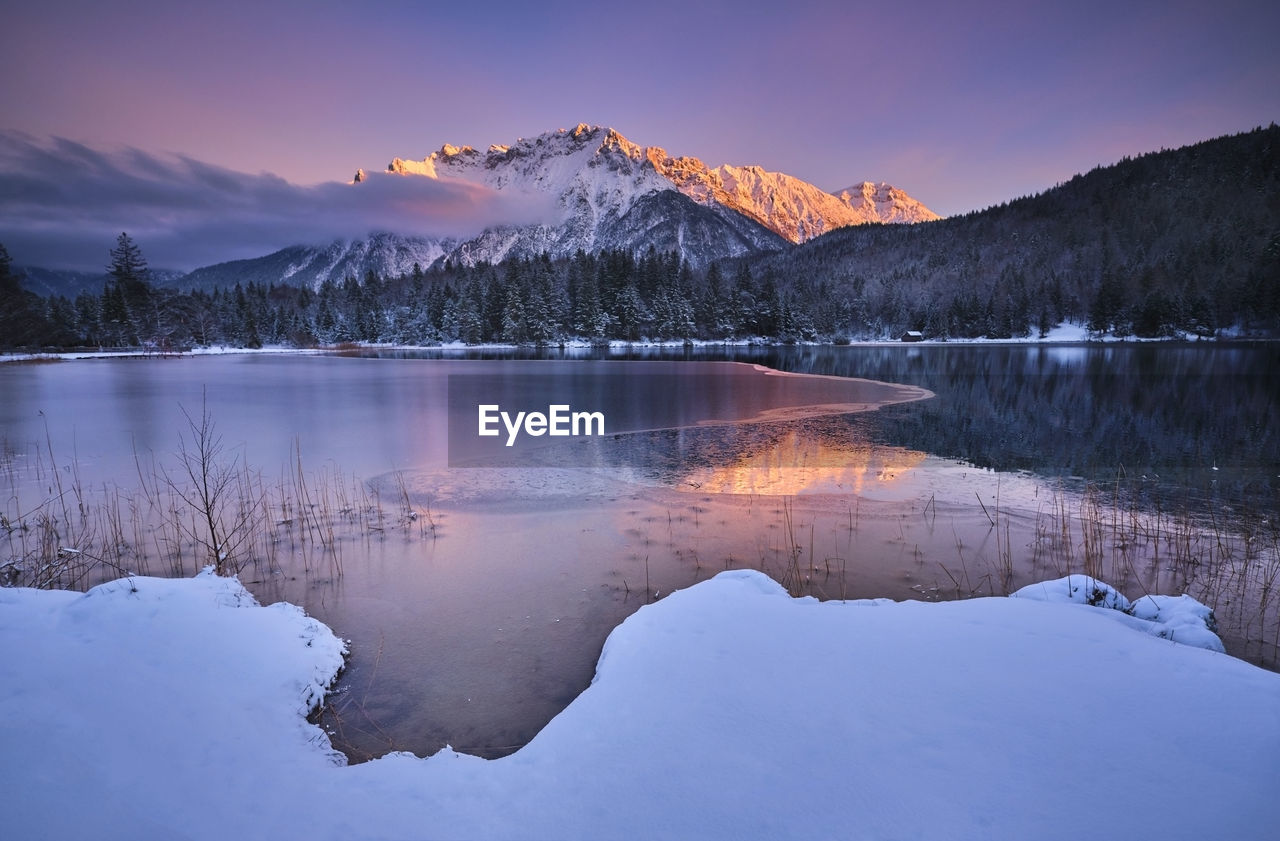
587,188
596,174
793,208
384,254
884,203
599,189
589,161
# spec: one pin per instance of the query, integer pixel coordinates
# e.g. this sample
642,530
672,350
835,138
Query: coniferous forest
1173,242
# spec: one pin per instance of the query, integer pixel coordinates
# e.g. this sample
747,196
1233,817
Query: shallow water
478,620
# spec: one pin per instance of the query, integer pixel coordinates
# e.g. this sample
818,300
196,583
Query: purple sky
962,105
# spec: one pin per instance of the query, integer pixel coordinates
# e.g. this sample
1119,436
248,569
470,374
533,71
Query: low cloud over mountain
587,189
65,202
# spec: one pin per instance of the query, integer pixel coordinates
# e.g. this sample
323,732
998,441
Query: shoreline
67,356
730,681
1066,338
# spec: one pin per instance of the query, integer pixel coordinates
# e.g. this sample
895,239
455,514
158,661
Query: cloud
63,203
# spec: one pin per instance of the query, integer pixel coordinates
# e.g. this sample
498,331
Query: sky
247,116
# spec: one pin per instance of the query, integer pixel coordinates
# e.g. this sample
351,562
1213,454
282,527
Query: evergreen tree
130,313
514,317
542,307
117,328
465,322
710,307
22,313
128,267
743,308
1108,303
87,307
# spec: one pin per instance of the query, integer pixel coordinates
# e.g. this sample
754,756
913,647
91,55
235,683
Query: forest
1171,243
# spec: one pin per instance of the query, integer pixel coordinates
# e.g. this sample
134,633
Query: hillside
1170,243
1187,237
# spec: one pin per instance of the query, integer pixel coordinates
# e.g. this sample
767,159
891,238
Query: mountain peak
614,140
795,209
458,161
596,170
884,201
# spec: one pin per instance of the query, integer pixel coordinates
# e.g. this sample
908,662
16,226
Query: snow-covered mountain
595,174
599,190
70,283
884,203
591,189
300,265
793,208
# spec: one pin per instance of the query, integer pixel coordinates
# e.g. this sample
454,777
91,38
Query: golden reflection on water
800,463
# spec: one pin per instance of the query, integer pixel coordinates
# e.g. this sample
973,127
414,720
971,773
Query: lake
477,582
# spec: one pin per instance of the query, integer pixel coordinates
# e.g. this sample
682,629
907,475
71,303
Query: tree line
1172,242
611,295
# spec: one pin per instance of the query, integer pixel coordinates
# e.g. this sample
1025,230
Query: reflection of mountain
797,461
1169,411
809,454
816,455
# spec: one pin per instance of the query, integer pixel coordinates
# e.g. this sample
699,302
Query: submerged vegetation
311,536
1229,560
210,509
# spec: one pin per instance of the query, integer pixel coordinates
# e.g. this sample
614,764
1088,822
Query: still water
478,619
1176,411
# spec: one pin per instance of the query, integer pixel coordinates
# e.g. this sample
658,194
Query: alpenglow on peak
595,168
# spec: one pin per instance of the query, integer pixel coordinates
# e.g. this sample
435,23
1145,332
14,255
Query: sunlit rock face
792,208
595,177
586,189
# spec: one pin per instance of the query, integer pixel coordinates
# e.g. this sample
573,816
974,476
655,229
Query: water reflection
795,463
1202,420
479,630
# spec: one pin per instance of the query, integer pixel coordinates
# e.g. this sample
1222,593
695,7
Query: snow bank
158,709
1177,618
126,709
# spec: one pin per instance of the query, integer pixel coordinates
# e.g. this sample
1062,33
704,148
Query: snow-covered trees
1186,240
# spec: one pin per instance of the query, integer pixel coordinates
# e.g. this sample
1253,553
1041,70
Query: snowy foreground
155,709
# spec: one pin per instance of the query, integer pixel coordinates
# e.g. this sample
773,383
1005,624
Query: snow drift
173,709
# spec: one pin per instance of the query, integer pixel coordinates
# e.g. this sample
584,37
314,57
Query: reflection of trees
1172,411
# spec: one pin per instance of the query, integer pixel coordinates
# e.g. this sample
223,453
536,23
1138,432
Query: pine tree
22,316
130,311
117,328
128,267
711,303
514,315
743,309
